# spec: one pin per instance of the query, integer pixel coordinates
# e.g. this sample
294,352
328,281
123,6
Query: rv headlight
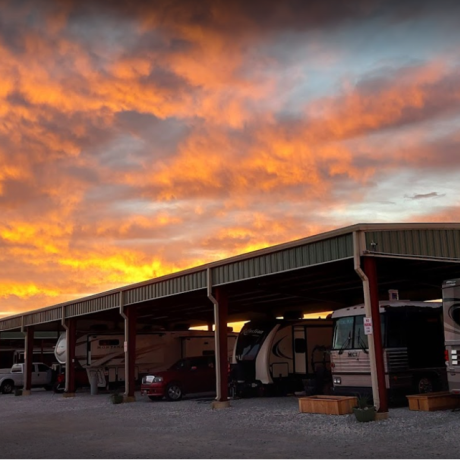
337,380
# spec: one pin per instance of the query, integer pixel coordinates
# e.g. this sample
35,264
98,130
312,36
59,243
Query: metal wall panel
94,305
315,253
11,323
166,288
44,316
428,243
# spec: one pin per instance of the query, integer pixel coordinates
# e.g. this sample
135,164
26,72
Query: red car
188,375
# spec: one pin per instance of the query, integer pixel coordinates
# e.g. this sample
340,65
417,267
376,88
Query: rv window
300,346
109,343
397,330
343,333
249,342
360,339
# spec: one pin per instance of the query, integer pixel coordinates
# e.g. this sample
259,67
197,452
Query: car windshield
181,364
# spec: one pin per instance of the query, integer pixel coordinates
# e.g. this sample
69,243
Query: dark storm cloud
424,196
264,15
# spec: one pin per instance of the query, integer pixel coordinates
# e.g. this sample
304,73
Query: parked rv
451,302
281,356
413,349
103,353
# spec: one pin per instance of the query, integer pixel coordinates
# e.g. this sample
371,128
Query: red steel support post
71,339
370,268
28,358
131,313
222,300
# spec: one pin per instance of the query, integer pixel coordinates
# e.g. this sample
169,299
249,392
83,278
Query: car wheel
7,387
425,384
174,392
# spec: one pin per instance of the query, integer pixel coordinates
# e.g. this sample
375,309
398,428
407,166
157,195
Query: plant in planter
364,411
116,398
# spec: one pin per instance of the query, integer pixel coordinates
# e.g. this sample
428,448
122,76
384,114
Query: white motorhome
278,356
413,349
103,353
451,303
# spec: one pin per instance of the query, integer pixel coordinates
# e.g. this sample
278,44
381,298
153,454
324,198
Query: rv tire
174,392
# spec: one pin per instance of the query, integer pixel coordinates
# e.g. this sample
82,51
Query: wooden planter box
440,400
331,405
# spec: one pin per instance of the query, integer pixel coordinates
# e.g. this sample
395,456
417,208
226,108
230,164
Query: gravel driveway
47,425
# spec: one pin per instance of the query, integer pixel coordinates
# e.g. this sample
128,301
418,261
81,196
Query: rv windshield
349,333
343,333
249,341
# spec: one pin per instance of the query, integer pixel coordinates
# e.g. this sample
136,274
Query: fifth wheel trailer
451,306
103,354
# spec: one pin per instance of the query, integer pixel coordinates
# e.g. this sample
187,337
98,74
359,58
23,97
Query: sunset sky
138,140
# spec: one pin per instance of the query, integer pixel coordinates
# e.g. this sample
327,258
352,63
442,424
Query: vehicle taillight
446,355
60,378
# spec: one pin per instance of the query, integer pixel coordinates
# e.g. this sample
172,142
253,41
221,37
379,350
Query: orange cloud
138,139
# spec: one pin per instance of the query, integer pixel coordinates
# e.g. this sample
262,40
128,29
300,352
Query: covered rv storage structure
332,270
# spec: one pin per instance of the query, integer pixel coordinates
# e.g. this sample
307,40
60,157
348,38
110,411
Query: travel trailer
451,303
413,349
103,353
280,356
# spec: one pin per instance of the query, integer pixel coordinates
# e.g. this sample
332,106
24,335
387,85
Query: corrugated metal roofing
443,243
439,241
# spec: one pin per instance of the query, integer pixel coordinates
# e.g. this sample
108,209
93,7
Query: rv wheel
425,384
173,392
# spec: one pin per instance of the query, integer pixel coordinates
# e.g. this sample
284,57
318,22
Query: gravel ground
46,425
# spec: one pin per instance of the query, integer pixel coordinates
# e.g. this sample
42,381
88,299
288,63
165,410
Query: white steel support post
125,345
358,244
221,400
129,342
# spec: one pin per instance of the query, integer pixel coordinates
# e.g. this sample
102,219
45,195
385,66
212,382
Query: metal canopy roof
308,275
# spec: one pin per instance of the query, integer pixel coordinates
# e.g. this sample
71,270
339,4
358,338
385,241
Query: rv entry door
300,349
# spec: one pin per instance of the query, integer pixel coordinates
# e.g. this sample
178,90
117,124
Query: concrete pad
220,404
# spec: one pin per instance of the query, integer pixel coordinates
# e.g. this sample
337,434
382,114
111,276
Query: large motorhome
103,353
413,349
280,355
451,302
